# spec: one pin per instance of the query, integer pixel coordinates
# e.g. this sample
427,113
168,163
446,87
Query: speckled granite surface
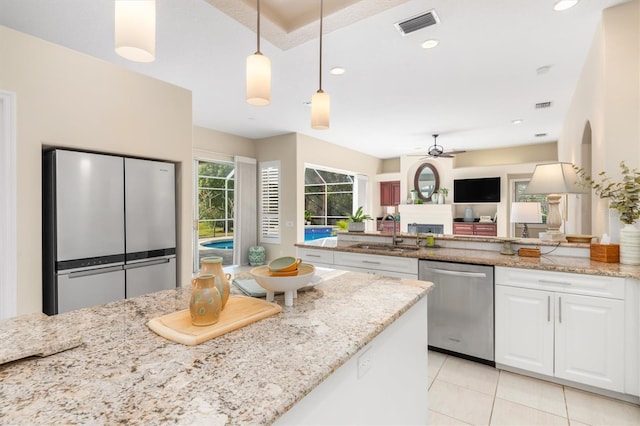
124,373
549,262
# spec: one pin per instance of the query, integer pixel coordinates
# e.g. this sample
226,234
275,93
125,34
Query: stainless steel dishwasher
460,308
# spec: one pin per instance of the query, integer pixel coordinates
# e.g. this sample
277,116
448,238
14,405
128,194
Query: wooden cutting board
238,312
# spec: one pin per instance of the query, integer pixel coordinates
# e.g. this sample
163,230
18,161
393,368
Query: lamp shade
320,110
135,29
258,79
554,178
526,213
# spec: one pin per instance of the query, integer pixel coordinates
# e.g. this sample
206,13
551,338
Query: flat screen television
480,190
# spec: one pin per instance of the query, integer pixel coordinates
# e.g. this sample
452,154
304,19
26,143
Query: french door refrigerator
108,228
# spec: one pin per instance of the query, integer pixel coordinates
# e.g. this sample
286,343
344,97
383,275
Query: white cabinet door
590,340
406,266
316,257
524,328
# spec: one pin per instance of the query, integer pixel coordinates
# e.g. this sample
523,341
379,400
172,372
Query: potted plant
307,217
356,221
623,196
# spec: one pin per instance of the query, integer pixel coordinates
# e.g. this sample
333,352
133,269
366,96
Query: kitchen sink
389,248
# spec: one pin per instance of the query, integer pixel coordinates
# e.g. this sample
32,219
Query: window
216,182
520,186
269,212
328,195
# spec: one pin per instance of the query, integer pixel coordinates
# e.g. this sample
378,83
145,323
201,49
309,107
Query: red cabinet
468,228
390,193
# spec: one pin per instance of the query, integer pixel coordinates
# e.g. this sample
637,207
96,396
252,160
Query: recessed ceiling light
517,121
540,135
337,71
430,44
564,5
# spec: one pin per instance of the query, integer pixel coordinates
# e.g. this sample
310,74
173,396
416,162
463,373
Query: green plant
418,201
443,191
342,225
624,195
359,216
307,216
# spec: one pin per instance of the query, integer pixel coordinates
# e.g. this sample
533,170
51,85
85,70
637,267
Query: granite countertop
549,262
125,373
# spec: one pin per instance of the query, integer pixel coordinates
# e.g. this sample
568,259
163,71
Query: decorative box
609,253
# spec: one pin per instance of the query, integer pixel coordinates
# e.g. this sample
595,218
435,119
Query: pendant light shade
135,29
320,101
320,110
258,73
258,79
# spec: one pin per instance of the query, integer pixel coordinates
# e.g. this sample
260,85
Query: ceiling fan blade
446,155
455,152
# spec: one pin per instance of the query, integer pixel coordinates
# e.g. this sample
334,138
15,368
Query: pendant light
320,100
135,29
258,74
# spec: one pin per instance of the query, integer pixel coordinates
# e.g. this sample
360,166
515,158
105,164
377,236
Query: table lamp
554,179
526,213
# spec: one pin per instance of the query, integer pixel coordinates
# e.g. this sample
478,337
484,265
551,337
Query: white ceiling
394,94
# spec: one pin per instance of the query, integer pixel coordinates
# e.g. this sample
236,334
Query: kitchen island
124,373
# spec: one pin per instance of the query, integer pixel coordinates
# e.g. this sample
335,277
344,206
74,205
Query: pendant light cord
258,30
320,69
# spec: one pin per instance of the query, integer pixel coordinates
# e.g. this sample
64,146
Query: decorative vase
355,227
213,265
257,255
440,199
434,197
630,245
205,303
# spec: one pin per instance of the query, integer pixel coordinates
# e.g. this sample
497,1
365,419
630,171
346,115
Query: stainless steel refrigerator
108,228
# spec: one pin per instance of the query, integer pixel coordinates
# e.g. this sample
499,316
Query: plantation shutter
270,202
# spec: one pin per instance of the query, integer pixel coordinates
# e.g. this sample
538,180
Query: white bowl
286,284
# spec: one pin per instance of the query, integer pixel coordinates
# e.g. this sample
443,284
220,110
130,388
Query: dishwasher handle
459,273
90,272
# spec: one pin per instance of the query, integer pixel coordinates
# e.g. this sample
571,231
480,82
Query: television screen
481,190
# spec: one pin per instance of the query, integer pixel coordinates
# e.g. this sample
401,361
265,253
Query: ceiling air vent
543,105
417,22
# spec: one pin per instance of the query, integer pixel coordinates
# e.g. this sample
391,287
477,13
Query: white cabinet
390,266
316,257
570,326
524,331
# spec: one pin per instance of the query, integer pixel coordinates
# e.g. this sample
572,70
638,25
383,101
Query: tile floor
462,392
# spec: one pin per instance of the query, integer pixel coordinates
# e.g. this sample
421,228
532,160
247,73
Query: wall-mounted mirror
426,181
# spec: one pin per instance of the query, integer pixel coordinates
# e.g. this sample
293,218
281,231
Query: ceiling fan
437,151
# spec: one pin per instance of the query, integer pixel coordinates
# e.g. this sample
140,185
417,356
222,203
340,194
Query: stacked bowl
284,274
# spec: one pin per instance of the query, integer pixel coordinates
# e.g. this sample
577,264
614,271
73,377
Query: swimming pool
223,245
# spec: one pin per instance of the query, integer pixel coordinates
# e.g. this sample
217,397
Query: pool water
310,234
224,245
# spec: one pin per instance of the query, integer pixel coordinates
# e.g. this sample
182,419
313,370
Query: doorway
213,209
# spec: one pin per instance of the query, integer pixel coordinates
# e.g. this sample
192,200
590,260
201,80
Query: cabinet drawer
489,230
463,228
376,262
564,282
315,256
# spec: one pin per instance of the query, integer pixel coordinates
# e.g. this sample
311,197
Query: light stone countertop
549,262
125,373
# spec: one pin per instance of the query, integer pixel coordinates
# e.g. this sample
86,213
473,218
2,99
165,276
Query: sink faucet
395,240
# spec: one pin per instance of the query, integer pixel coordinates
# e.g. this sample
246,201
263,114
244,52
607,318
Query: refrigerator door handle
90,272
145,263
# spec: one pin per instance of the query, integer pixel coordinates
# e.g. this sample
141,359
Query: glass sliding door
215,190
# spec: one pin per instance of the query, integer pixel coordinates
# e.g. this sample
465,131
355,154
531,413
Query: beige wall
216,144
282,148
68,99
539,153
608,97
